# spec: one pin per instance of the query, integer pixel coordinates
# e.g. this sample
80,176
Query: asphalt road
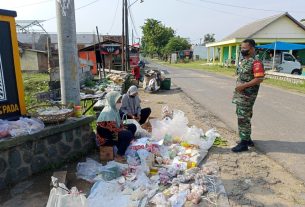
278,124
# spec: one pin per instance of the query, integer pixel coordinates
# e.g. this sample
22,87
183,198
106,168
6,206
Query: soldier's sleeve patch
258,69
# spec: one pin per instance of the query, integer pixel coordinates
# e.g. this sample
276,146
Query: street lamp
141,1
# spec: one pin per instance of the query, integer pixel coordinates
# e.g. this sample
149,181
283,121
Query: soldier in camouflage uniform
250,72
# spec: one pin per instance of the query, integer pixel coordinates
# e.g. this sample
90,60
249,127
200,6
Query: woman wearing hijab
131,106
110,130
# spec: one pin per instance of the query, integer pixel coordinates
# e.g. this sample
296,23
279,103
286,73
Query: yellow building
282,27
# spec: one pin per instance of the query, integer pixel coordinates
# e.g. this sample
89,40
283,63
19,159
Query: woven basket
52,118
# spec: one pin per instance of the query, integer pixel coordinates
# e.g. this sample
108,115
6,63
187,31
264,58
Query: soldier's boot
241,147
250,143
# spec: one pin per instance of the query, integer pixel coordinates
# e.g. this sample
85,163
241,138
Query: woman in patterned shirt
110,129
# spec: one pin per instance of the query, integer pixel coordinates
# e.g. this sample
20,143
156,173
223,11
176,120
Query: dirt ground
250,178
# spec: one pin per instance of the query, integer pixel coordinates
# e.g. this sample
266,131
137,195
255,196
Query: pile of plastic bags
23,126
162,168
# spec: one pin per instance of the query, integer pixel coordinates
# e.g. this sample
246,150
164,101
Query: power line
75,9
132,19
245,7
213,9
114,17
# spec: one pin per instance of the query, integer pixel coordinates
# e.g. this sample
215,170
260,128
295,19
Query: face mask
132,96
245,52
118,106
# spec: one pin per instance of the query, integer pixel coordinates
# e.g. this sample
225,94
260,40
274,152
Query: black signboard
9,97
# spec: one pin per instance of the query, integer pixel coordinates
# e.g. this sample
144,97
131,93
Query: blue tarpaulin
282,46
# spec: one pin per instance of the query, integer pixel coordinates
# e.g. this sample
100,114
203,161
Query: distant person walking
250,73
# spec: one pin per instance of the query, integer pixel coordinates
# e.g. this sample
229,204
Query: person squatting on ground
132,108
110,129
250,73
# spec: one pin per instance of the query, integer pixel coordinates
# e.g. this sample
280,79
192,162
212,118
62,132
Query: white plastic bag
140,131
60,196
25,126
147,160
209,139
193,135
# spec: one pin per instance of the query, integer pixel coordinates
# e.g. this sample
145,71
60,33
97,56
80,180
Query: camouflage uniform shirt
247,70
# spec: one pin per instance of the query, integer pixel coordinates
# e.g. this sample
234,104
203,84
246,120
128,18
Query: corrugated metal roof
31,38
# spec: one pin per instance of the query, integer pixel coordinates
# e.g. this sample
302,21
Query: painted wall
282,28
225,53
29,61
89,55
200,50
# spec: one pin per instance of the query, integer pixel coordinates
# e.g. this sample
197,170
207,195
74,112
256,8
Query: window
288,57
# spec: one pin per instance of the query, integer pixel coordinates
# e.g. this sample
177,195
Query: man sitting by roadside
132,108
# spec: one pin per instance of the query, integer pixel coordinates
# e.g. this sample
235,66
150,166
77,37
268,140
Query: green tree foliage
155,37
208,38
177,44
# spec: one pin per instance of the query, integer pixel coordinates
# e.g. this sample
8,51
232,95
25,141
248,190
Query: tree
208,38
155,37
177,44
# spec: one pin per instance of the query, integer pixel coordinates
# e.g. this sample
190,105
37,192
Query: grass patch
286,85
38,82
34,83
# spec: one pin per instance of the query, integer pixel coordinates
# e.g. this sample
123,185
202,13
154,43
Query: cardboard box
106,153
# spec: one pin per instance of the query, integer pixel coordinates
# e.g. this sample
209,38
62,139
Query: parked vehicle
284,62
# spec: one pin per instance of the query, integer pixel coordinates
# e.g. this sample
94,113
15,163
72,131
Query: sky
189,18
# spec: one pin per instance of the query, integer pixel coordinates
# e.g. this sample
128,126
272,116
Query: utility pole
132,37
127,37
50,65
102,65
67,50
123,35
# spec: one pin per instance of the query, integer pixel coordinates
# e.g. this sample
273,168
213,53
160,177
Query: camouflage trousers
244,115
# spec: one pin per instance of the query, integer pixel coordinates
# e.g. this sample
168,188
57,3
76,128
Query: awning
282,46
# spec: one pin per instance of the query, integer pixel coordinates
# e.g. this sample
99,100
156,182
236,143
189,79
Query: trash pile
162,169
23,126
152,80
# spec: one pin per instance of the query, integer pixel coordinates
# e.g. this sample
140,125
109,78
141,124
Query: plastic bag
60,196
104,194
192,136
25,126
178,200
140,132
209,139
34,125
175,127
93,171
160,201
88,170
141,180
147,160
4,128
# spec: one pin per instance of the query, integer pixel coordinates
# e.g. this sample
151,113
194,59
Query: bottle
78,111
